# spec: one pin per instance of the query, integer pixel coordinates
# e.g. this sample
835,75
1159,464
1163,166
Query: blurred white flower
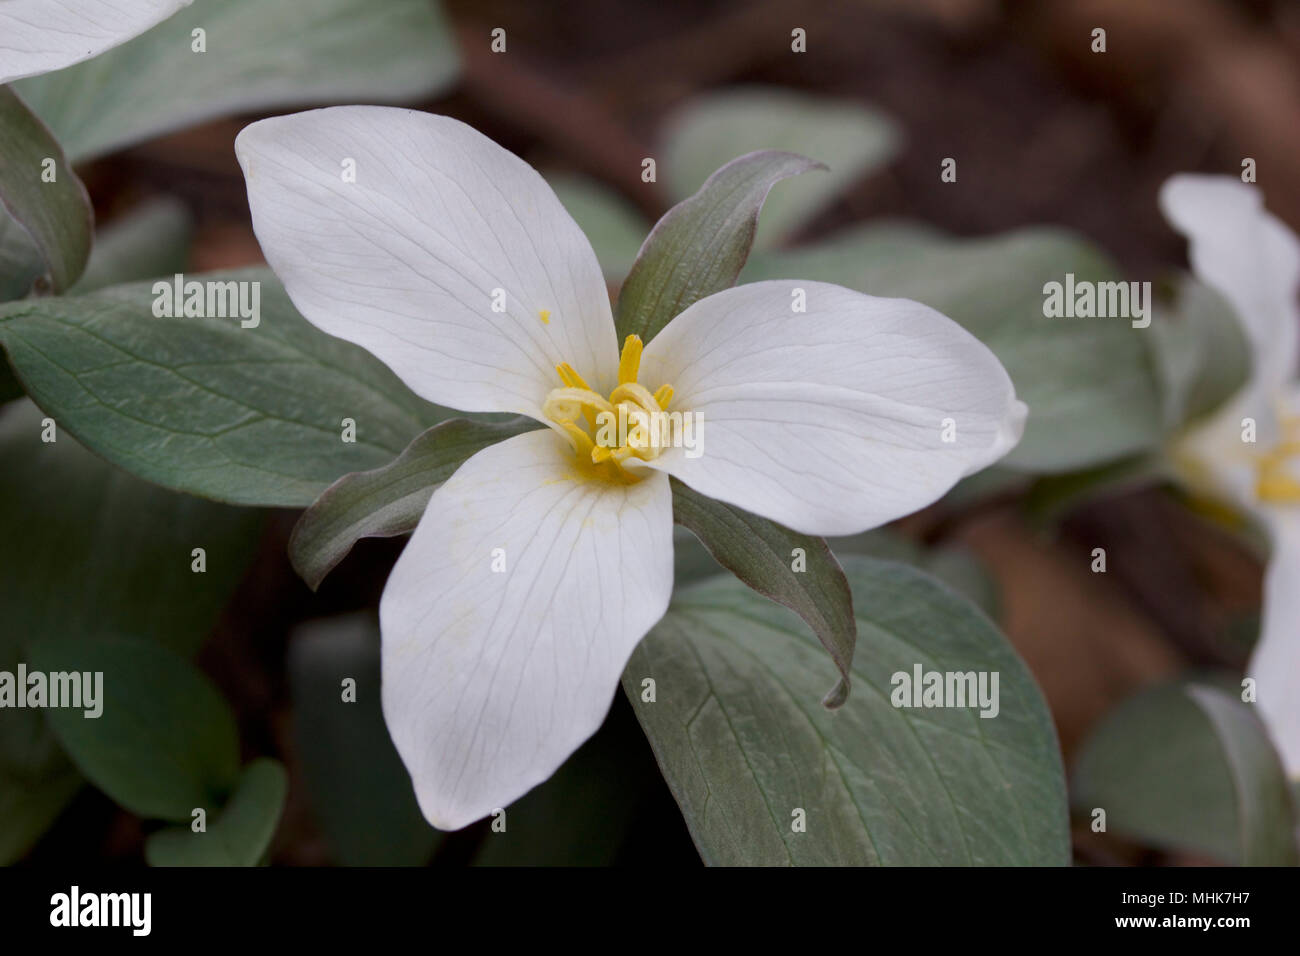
41,36
1253,261
541,563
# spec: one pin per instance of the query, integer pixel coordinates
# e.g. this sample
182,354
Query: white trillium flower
41,36
828,421
1253,261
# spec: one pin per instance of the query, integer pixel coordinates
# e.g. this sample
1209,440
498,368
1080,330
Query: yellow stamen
624,426
567,404
637,394
571,378
581,441
1277,481
545,316
629,363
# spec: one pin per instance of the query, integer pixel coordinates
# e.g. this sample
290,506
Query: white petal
491,679
40,36
1251,258
830,421
405,261
1275,664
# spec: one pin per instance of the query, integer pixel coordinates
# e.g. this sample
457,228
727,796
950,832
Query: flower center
1278,478
609,432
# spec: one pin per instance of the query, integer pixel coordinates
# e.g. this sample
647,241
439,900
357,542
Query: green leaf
850,139
259,56
743,747
701,244
761,553
151,240
29,805
56,215
954,565
165,741
613,225
691,559
1089,383
244,415
1188,767
1200,352
963,571
358,788
241,832
89,550
20,261
390,500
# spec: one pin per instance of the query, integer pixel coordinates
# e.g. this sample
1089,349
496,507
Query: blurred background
1044,130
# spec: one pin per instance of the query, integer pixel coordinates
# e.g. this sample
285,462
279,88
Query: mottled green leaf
954,565
1200,352
691,559
390,500
701,244
744,747
151,240
1188,767
259,56
41,193
246,415
21,263
796,570
30,803
165,742
89,550
240,833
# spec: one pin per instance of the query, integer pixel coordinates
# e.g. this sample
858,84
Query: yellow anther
578,437
545,316
571,378
1277,481
620,427
637,394
1278,489
567,404
629,363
